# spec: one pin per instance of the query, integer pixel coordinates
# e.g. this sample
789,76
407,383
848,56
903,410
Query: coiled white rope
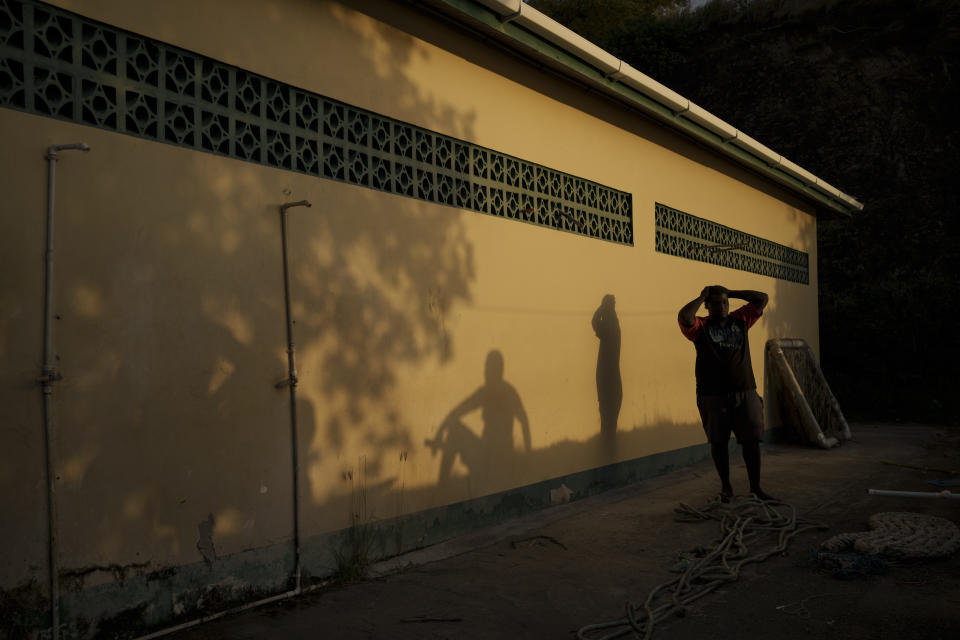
901,534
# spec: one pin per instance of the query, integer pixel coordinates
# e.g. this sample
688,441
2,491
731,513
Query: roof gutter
520,26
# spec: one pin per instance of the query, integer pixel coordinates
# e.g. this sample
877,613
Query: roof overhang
534,35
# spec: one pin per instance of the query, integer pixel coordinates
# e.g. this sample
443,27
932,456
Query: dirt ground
548,574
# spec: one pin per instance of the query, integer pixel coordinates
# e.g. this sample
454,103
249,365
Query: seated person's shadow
499,404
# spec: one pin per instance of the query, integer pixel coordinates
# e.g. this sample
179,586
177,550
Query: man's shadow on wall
491,457
606,326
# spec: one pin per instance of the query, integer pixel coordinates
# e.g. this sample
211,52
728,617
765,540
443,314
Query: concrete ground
548,574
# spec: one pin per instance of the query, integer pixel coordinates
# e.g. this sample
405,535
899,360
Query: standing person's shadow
606,326
492,454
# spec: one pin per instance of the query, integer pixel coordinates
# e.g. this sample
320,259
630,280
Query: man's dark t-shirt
723,352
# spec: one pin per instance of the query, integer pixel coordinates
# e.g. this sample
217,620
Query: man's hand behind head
715,290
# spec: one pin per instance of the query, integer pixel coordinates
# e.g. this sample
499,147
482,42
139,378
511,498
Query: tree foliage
592,17
865,94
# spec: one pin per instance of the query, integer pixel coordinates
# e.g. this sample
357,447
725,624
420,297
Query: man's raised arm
688,312
756,298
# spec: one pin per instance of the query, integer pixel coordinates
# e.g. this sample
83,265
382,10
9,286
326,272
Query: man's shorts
740,412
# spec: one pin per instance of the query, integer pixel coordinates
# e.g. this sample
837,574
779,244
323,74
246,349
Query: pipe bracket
49,377
287,382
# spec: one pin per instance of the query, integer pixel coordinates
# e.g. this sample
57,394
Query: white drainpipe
945,494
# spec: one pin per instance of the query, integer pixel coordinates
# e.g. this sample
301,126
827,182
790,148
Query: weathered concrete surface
619,545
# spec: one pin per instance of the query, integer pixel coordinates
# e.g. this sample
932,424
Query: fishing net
806,400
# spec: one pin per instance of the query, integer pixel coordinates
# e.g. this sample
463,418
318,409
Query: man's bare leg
751,457
721,460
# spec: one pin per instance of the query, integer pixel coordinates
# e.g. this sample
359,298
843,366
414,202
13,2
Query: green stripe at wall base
393,536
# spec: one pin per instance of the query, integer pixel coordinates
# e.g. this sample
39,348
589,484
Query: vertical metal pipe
48,375
291,382
48,267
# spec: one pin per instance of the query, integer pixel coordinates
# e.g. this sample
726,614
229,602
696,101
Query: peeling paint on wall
23,610
76,579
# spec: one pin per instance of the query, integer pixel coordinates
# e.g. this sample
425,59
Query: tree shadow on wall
187,328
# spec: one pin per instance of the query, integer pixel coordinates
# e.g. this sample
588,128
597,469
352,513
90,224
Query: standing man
726,389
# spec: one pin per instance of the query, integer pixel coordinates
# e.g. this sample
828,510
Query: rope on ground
742,521
900,534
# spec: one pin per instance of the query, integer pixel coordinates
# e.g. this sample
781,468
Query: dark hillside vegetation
865,95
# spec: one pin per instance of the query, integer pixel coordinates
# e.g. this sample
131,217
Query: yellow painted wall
169,291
